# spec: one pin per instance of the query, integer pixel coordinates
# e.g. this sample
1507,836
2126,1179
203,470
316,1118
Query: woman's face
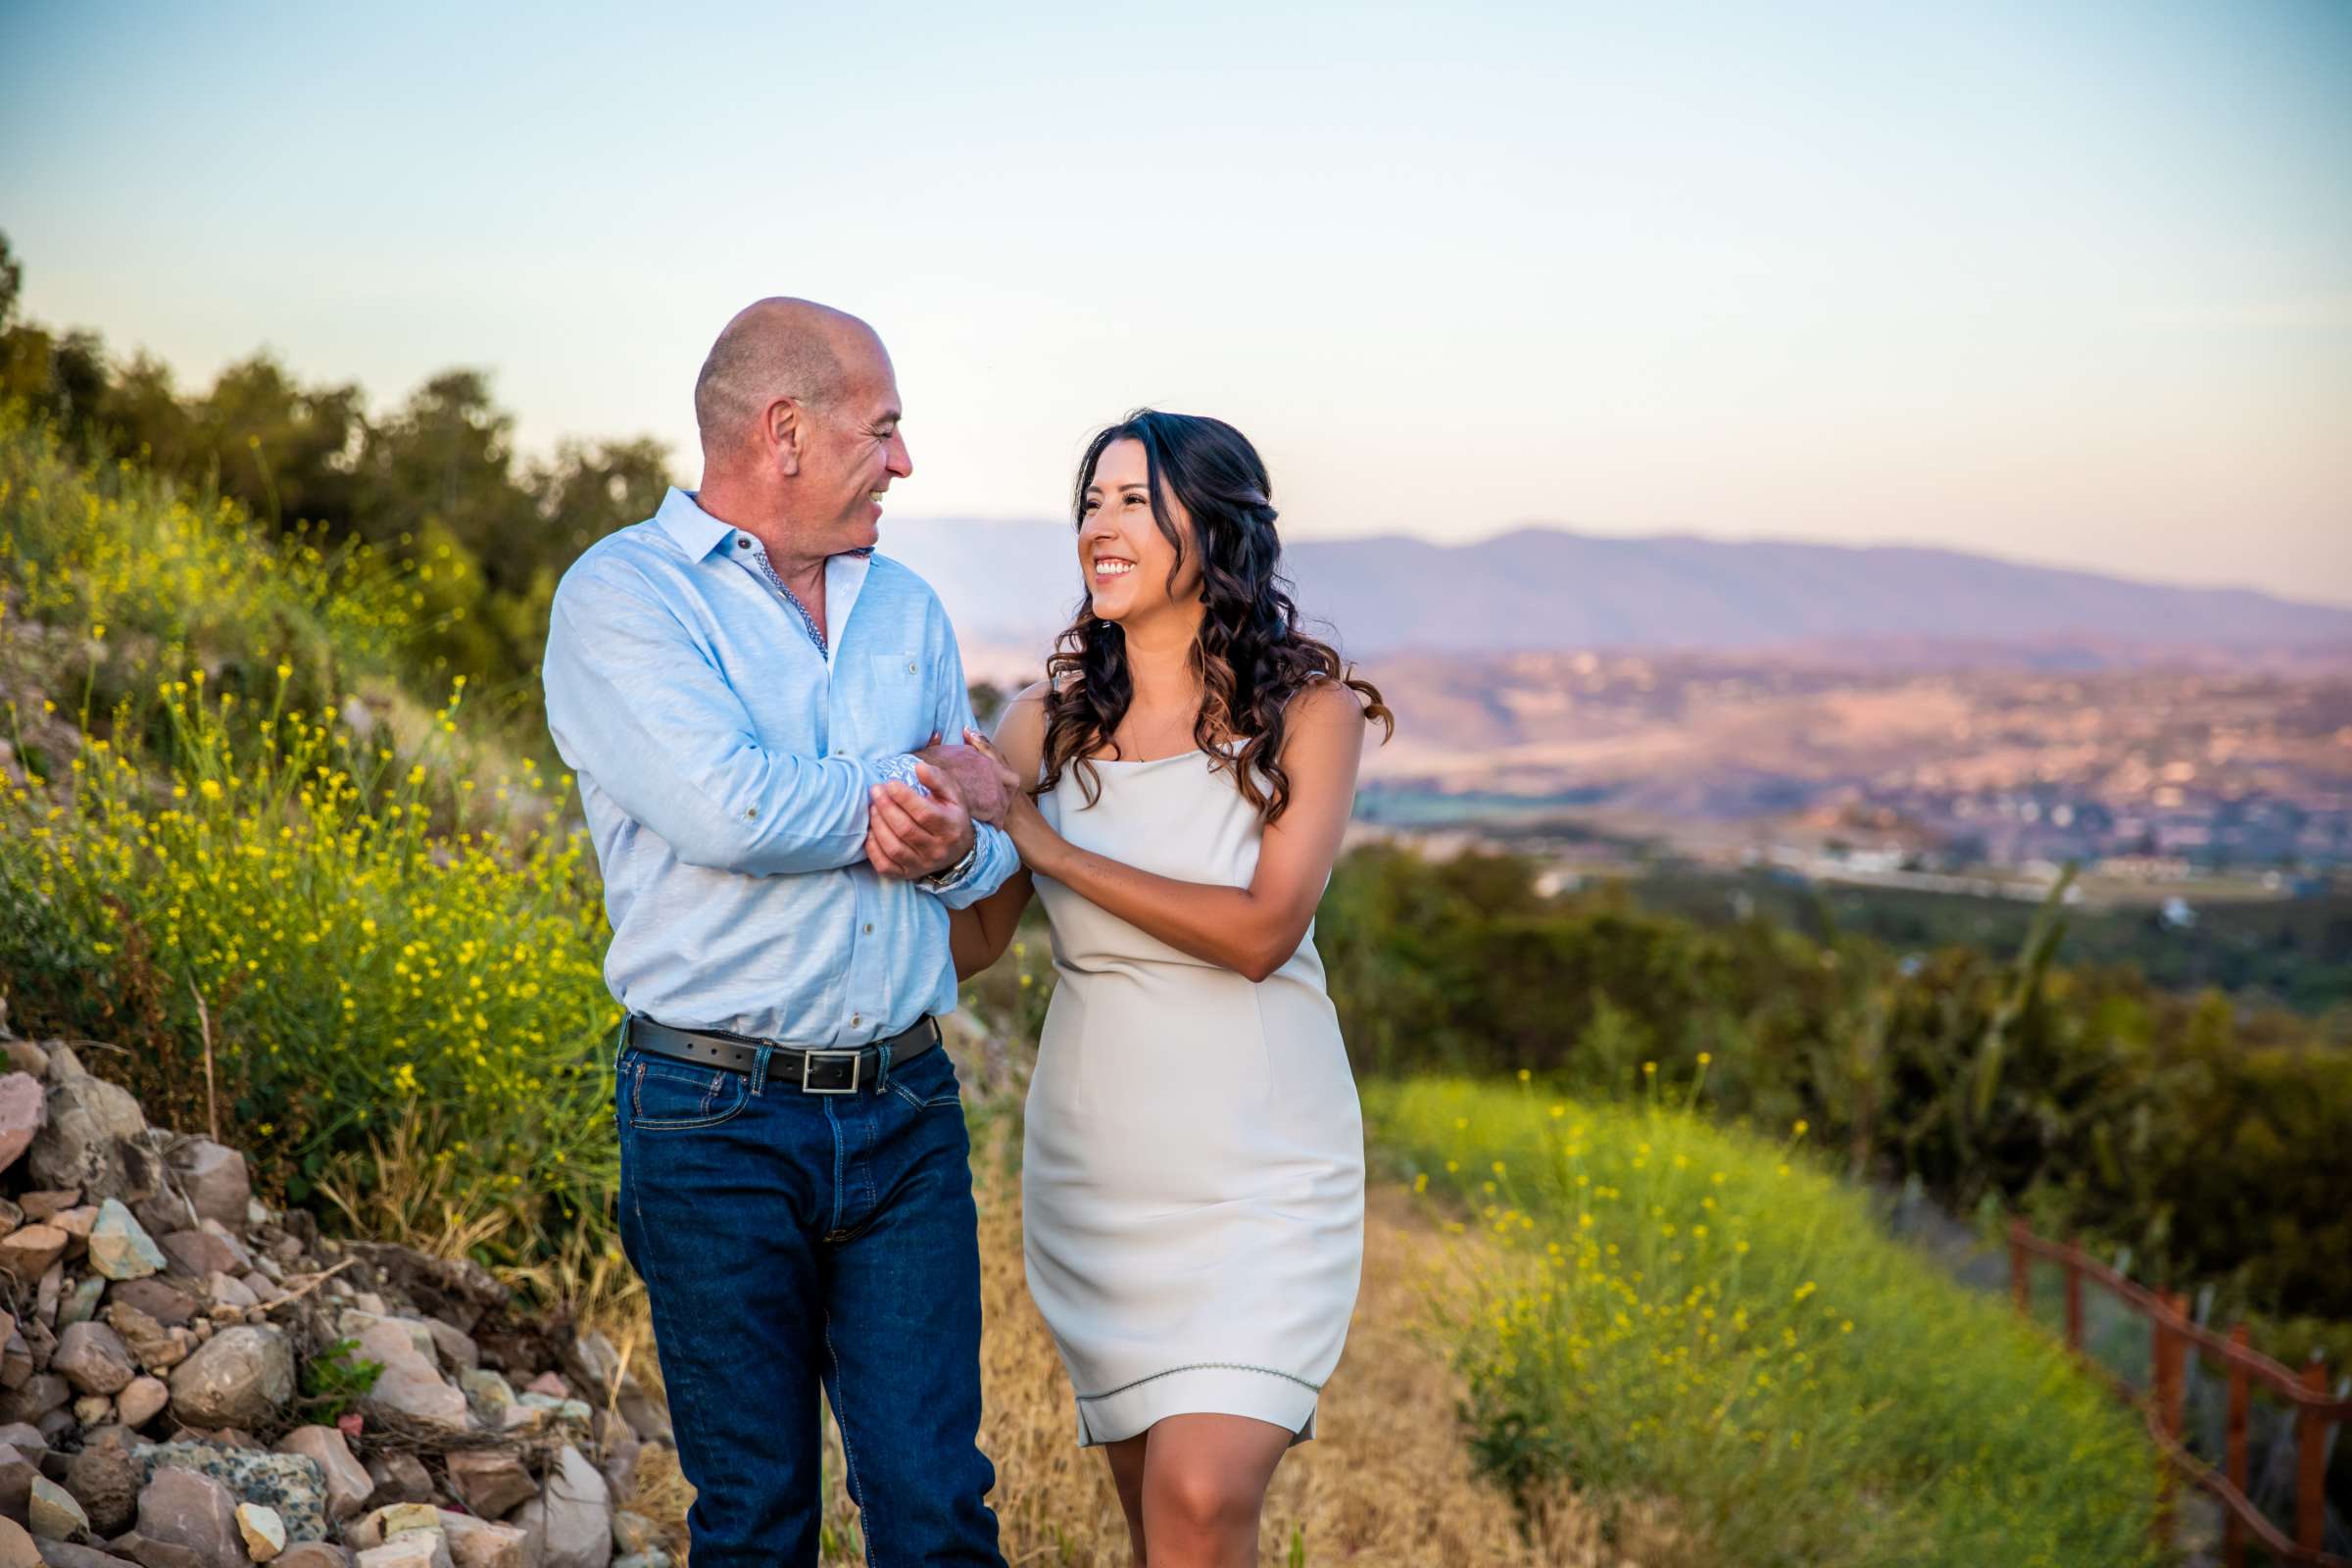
1124,555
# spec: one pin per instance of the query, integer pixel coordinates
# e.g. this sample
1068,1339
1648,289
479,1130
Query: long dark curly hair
1250,655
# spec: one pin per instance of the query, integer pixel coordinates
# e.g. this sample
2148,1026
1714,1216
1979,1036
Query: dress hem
1259,1393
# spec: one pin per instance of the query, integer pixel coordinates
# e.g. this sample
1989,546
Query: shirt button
910,667
869,928
741,543
855,1020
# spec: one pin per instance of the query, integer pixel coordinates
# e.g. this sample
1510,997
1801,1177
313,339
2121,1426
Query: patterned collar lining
746,545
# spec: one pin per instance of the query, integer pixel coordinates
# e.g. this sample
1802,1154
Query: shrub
263,912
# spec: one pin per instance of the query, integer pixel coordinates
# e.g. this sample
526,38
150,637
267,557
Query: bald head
778,348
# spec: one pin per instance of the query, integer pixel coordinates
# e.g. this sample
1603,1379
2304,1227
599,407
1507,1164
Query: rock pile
181,1387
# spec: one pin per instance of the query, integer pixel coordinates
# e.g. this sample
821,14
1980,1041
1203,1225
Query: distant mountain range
1011,585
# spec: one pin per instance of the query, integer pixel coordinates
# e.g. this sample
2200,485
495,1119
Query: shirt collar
698,533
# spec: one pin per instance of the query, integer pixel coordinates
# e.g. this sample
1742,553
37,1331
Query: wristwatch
955,872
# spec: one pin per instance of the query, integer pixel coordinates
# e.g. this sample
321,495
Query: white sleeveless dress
1192,1177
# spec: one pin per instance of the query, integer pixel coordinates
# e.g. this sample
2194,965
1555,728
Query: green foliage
1651,1306
2200,1136
2291,952
285,943
334,1379
474,536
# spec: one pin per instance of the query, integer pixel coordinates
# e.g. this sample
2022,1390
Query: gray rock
93,1358
141,1400
399,1477
490,1394
290,1482
214,1179
16,1470
227,1290
81,1303
571,1522
94,1138
40,1394
51,1512
199,1255
313,1554
27,1056
159,1553
354,1322
120,1246
651,1557
483,1543
166,1304
456,1346
65,1554
183,1507
490,1481
105,1478
646,1415
242,1376
346,1481
409,1391
23,1112
418,1549
230,1239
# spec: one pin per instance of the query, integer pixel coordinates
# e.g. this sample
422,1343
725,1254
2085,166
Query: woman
1193,1174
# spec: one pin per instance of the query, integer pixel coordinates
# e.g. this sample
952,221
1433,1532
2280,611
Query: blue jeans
791,1240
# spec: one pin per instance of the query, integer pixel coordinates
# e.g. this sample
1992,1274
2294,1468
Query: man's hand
978,777
906,835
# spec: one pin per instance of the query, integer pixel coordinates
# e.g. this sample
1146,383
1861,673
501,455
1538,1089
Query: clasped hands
909,835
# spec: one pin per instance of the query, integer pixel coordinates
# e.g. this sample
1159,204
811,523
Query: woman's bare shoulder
1022,727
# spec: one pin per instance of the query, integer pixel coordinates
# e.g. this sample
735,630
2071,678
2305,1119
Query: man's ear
786,430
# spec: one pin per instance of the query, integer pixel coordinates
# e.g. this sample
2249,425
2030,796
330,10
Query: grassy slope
1690,1312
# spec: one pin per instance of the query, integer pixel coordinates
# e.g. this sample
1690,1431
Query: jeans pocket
674,1096
929,1080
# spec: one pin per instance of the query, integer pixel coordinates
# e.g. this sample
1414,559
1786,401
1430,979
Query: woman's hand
1023,821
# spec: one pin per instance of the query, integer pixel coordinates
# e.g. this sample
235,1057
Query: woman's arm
978,936
1253,930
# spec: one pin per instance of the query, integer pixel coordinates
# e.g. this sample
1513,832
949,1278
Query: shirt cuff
994,858
902,769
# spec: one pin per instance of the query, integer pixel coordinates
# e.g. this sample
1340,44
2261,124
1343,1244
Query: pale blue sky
2069,282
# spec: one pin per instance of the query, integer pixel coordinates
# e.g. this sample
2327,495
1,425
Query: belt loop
760,1065
882,1081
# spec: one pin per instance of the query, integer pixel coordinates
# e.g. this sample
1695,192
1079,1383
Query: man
745,691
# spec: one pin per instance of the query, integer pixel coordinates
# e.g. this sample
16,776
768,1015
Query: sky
2067,281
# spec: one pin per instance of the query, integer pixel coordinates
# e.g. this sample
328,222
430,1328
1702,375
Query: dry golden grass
1387,1485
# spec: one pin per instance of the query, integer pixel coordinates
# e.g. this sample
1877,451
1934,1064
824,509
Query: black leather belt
813,1071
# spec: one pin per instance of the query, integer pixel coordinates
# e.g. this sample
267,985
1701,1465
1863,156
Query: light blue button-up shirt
724,764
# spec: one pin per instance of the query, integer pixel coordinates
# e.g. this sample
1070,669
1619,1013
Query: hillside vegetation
1680,1311
309,899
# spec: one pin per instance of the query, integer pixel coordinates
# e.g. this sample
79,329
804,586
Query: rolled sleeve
997,859
635,702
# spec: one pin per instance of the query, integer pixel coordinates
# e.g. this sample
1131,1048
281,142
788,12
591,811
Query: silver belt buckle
831,1062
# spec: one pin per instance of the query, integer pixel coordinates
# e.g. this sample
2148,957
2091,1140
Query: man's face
850,453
